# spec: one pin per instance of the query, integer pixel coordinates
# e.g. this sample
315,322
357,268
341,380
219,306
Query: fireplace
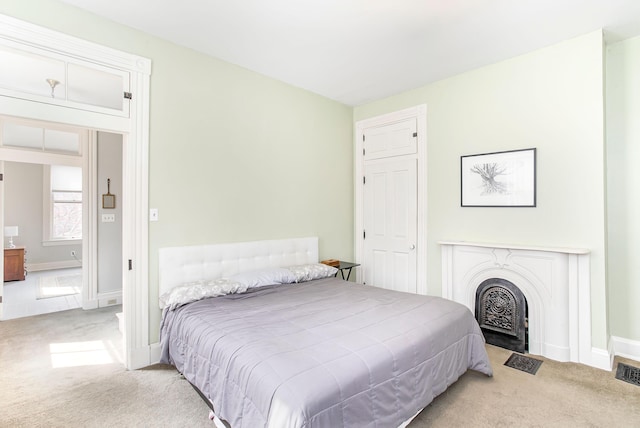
501,311
554,282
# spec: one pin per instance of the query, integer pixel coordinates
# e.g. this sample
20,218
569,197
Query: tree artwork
499,179
489,172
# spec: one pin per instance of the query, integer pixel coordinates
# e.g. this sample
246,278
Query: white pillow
262,277
198,290
312,271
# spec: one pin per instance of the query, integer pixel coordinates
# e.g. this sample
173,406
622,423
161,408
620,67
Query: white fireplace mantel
555,282
517,247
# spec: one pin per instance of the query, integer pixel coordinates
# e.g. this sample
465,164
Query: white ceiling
356,51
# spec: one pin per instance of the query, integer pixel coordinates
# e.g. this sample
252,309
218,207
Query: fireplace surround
554,281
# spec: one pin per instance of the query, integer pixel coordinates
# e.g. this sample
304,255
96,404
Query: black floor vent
628,374
525,364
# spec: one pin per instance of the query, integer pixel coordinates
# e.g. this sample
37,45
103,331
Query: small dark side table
346,266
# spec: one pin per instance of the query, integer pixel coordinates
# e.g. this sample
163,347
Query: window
66,220
64,203
26,136
44,76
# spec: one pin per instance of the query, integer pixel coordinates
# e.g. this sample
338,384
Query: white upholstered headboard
179,265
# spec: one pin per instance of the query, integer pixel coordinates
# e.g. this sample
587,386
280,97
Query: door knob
412,247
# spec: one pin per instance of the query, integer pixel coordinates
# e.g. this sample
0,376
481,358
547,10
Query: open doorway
70,241
42,55
51,264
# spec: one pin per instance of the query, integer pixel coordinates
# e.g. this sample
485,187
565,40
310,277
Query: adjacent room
325,214
49,219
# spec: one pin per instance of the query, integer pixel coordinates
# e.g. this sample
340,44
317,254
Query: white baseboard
120,316
109,299
64,264
103,300
154,353
87,305
138,358
626,348
601,359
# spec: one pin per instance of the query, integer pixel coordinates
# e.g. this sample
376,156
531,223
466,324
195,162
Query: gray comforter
325,353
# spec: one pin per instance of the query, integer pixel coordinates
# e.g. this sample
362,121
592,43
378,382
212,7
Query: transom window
29,137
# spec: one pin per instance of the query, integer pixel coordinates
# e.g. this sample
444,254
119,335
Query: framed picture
501,179
108,199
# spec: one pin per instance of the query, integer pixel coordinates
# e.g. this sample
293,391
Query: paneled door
390,207
397,138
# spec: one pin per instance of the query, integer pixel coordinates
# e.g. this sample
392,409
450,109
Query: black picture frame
499,179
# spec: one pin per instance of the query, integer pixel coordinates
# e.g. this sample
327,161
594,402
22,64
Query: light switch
108,218
153,214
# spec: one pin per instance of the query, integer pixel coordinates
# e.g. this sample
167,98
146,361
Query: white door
391,197
390,223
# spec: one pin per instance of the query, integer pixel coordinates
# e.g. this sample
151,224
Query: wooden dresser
14,264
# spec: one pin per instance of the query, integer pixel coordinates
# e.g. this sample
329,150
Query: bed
282,342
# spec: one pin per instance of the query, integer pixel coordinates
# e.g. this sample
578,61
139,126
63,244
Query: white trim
47,198
110,298
518,247
626,348
135,130
136,228
599,358
89,225
62,264
21,31
70,50
420,113
556,284
19,155
60,242
47,126
154,352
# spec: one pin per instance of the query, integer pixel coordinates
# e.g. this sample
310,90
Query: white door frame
135,130
420,113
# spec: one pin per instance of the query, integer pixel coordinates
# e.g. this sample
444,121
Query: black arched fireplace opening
502,312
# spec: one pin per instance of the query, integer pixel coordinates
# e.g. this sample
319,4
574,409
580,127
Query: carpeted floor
59,285
64,370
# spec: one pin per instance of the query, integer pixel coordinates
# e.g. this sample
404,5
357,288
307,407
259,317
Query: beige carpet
62,370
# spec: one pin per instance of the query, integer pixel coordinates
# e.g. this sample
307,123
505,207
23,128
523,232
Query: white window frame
47,213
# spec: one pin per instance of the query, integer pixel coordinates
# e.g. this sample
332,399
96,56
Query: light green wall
623,154
234,155
551,99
